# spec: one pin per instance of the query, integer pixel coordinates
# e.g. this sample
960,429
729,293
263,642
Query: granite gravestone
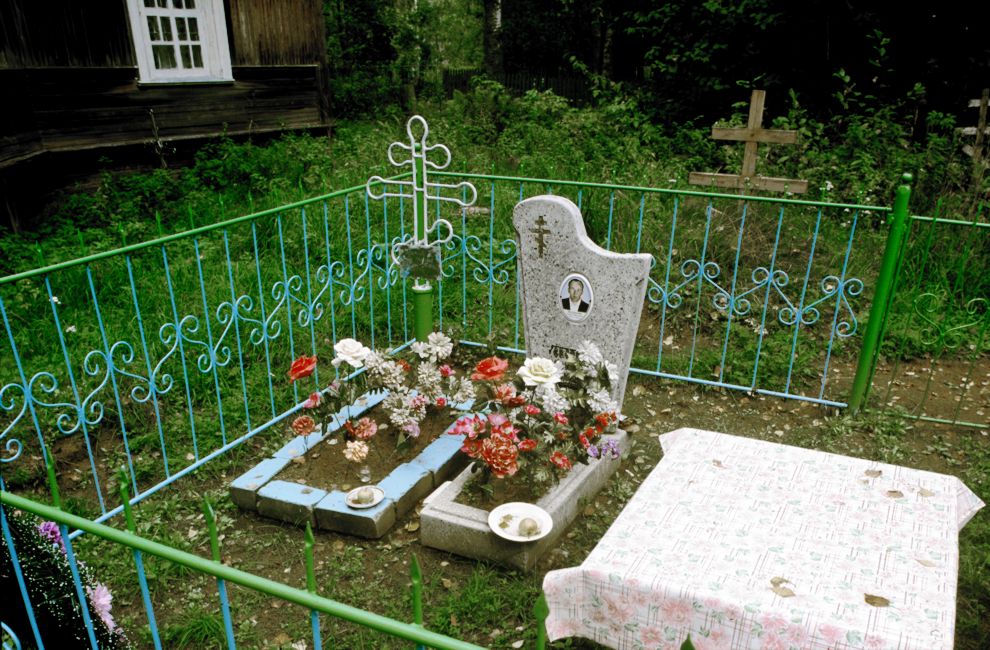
573,290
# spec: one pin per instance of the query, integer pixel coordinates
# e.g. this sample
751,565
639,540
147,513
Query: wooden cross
752,134
980,131
540,231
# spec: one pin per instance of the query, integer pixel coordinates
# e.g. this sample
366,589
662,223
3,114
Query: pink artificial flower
411,429
560,418
101,600
313,401
441,402
445,370
531,410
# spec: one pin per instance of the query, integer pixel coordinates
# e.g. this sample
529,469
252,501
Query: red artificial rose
490,369
441,402
304,425
560,418
531,410
500,454
583,439
560,459
404,365
302,367
529,444
471,447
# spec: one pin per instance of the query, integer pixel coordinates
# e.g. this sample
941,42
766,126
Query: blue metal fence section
163,355
745,293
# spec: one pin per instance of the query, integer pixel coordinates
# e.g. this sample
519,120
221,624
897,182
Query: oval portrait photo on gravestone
576,297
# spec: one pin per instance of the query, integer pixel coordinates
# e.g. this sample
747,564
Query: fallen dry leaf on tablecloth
894,494
873,473
924,562
925,492
718,463
876,601
783,592
776,581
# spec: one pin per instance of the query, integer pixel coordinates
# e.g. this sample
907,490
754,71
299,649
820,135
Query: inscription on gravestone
572,289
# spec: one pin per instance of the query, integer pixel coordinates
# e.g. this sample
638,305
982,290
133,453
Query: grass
181,418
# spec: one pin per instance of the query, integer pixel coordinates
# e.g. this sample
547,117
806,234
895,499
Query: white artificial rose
539,372
350,351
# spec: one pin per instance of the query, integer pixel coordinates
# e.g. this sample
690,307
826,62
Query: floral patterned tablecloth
751,544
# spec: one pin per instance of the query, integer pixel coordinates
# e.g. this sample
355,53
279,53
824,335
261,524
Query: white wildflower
70,329
55,300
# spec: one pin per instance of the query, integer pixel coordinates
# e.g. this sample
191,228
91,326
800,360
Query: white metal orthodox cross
418,187
752,134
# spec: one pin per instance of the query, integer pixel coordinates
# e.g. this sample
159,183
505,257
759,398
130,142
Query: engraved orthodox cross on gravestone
752,134
572,289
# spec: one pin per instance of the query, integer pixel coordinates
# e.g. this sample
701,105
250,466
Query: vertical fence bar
666,281
881,298
311,586
701,285
211,353
8,539
235,316
149,609
732,292
540,613
286,287
81,413
211,525
264,318
799,313
330,297
766,298
152,388
416,591
182,354
309,297
840,291
71,557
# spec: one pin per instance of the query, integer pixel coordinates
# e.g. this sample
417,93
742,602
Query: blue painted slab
438,453
260,474
294,493
407,484
333,513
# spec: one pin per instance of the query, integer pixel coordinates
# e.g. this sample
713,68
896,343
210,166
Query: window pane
186,59
177,3
149,3
197,57
153,28
190,4
166,28
180,28
193,29
163,4
164,56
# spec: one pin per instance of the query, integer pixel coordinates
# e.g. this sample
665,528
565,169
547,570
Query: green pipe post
540,611
416,589
881,298
422,289
236,576
422,310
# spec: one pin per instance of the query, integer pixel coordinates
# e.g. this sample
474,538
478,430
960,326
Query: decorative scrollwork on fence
468,248
936,332
8,403
740,302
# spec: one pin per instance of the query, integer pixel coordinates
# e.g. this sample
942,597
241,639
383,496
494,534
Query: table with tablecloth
746,543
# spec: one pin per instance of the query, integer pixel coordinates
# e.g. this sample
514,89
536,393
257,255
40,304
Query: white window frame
213,41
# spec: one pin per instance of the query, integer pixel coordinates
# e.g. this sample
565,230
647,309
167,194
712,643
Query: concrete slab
407,484
333,513
244,489
464,530
289,502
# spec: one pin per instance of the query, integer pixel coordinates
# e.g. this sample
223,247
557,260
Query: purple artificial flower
593,451
611,447
50,531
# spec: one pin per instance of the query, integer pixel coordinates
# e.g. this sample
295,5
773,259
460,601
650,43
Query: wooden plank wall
96,107
36,33
276,32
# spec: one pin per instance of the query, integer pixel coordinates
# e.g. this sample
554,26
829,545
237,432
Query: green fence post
541,611
881,298
417,593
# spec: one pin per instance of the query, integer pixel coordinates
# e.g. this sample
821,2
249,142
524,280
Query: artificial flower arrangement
425,382
535,426
48,578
